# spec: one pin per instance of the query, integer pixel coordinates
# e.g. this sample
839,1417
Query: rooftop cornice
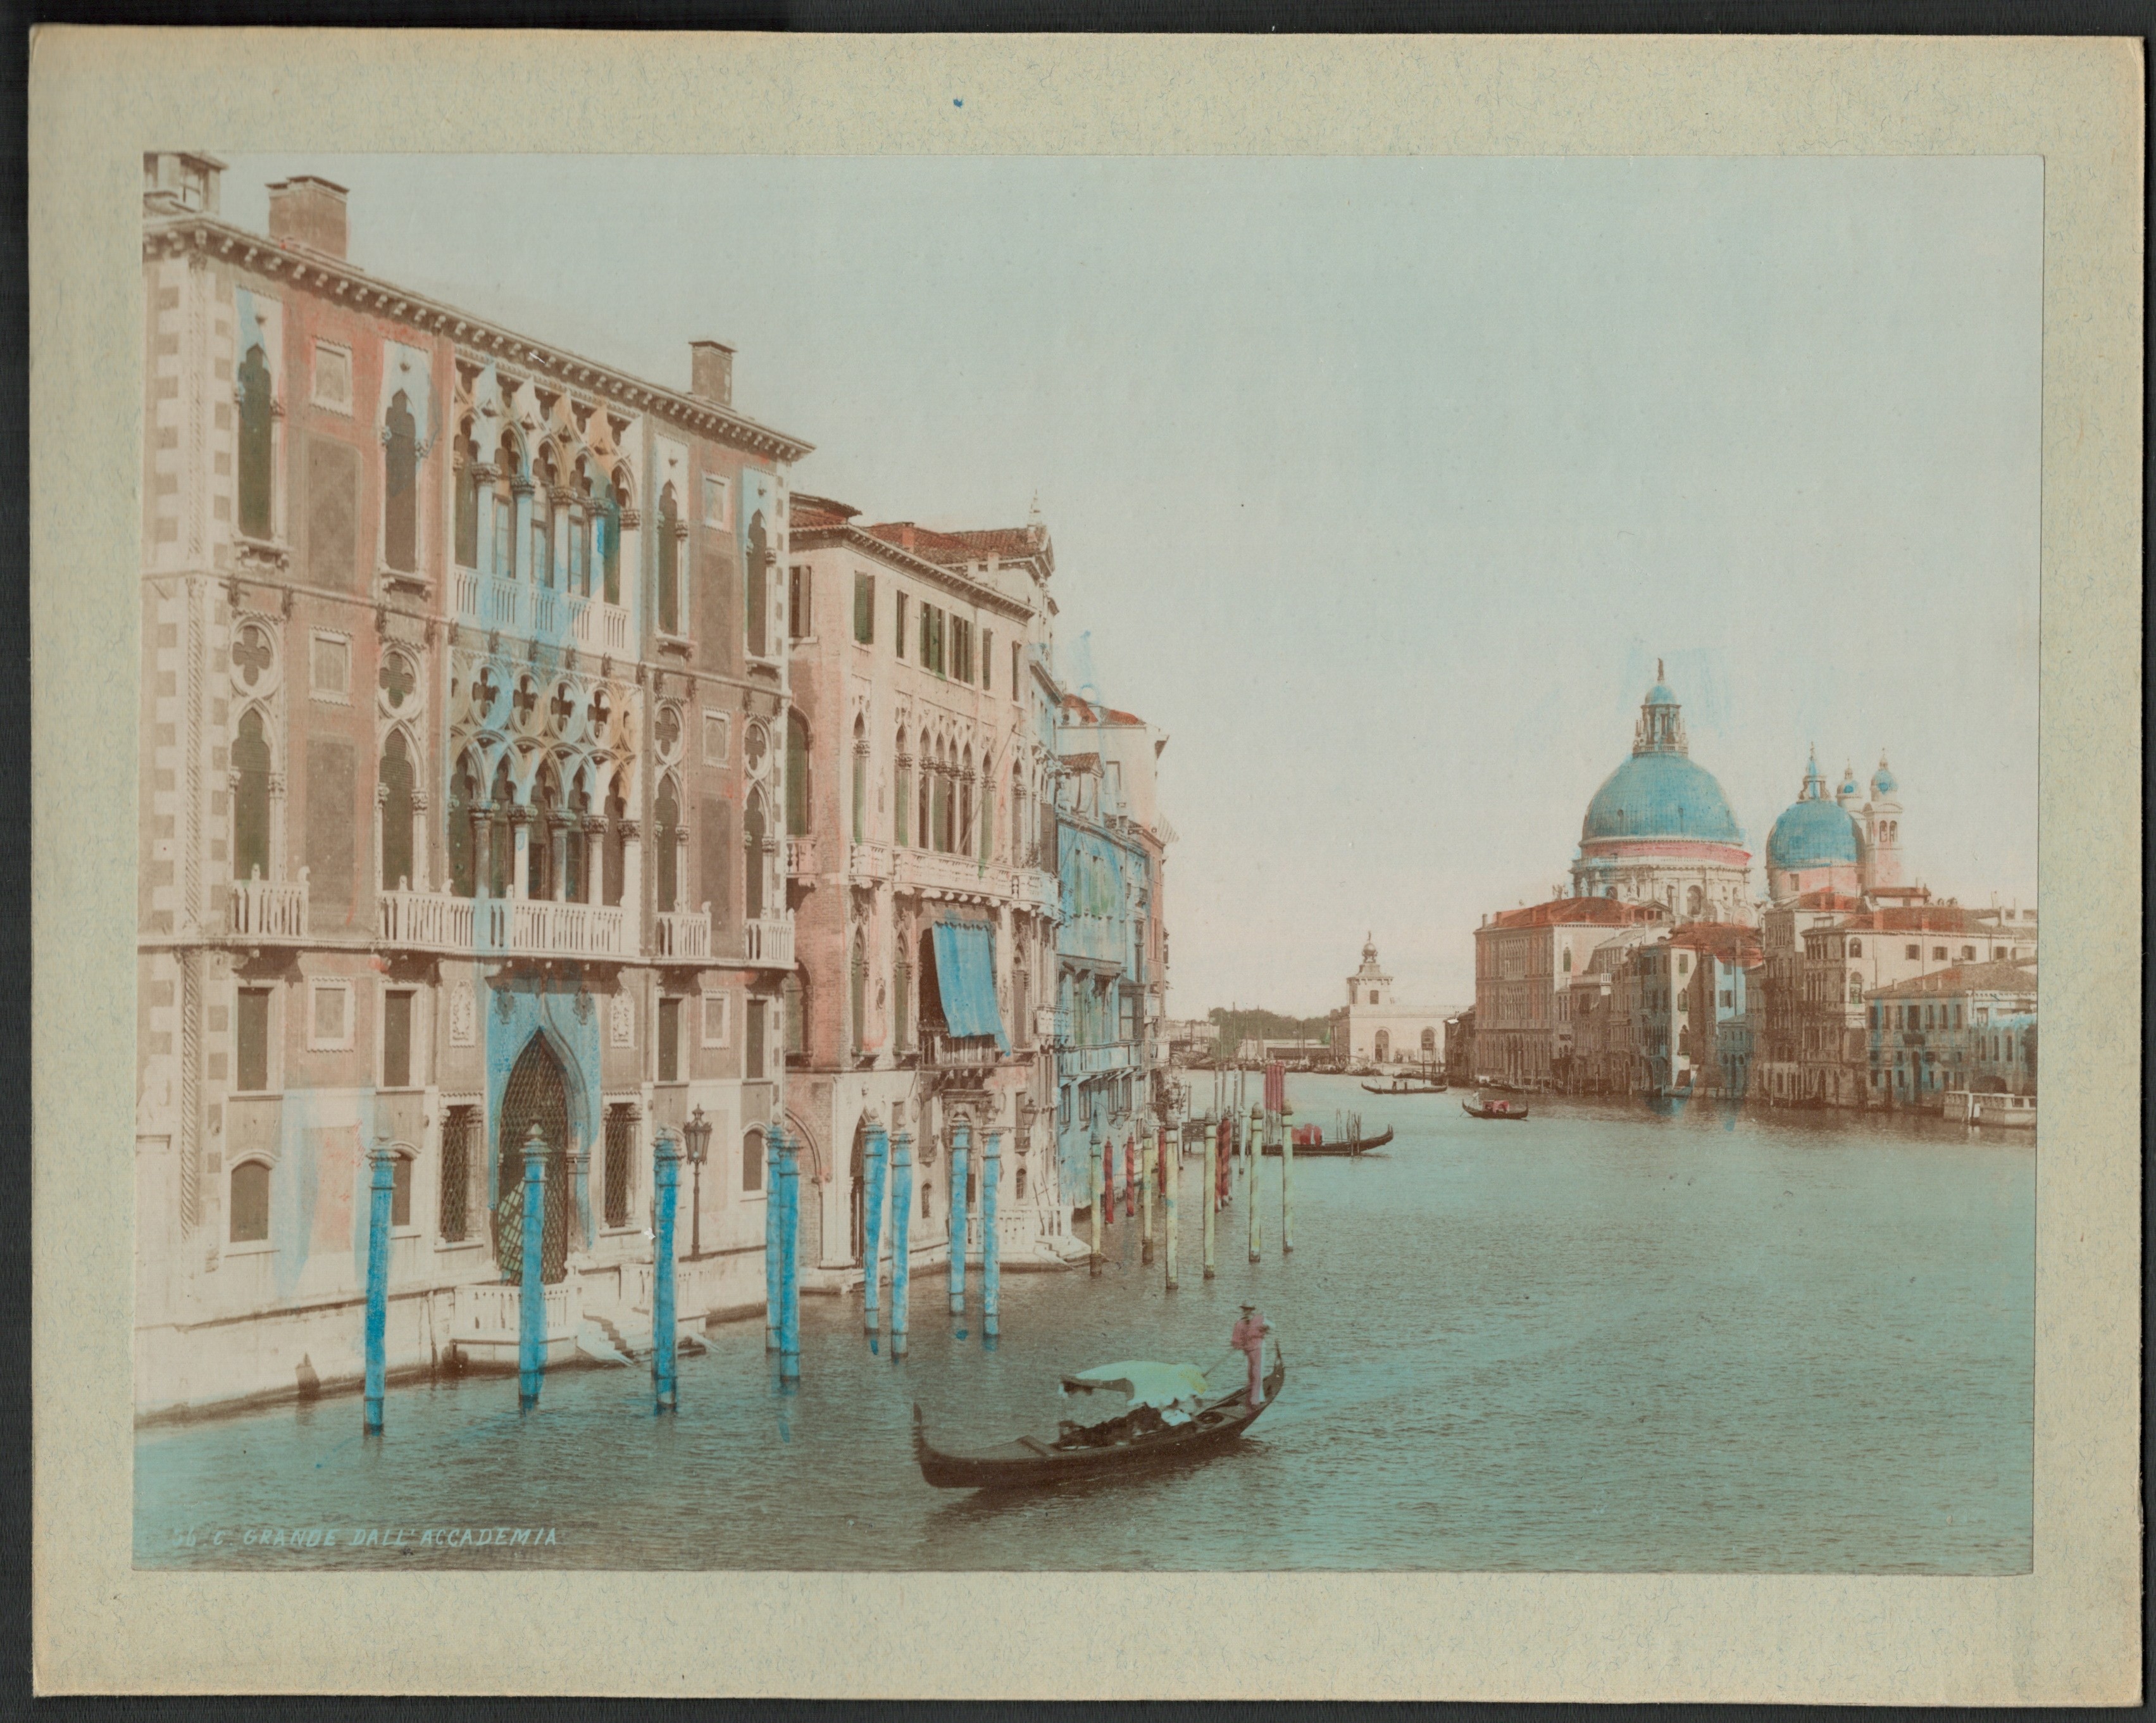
897,556
346,282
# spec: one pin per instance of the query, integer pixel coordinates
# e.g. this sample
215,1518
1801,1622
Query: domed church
1660,829
1833,844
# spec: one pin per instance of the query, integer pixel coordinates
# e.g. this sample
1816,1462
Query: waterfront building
1848,957
1660,830
1970,1026
1375,1029
1460,1067
1112,946
918,843
462,697
1717,1038
1525,960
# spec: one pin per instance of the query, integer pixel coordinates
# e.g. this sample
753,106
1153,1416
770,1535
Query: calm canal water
1610,1339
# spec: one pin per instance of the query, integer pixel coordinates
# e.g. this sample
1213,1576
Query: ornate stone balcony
1035,890
800,856
955,875
869,861
770,942
684,933
268,909
940,1051
504,926
1087,1061
590,623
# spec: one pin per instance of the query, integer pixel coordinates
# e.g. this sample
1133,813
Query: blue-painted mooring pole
666,1190
901,1219
382,1183
878,1152
961,1142
789,1266
532,1305
992,1172
773,1229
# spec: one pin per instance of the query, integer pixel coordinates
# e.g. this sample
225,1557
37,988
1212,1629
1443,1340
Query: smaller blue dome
1848,785
1660,695
1882,781
1811,834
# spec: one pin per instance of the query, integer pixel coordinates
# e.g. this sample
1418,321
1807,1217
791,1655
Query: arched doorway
1384,1047
536,1093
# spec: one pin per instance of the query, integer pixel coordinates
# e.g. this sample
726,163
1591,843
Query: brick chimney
712,372
308,210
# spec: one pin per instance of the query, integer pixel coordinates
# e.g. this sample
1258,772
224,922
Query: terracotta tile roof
1731,941
1008,543
1578,912
1083,712
1930,919
805,512
1824,900
1081,762
1964,978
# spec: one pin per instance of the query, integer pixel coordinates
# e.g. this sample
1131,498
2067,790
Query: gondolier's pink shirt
1249,1336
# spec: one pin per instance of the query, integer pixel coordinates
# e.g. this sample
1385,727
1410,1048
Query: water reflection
1608,1339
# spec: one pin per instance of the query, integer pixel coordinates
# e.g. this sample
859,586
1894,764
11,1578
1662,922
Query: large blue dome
1811,834
1660,795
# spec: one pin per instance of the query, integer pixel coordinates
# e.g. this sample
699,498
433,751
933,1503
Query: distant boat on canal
1173,1415
1484,1107
1405,1086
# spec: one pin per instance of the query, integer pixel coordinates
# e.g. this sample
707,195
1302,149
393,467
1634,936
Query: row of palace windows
257,463
942,642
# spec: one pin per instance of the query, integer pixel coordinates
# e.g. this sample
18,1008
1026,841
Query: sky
1379,484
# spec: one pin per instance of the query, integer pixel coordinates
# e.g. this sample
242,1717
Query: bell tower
1882,830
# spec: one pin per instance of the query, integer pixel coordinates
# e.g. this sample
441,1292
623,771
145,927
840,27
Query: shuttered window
865,608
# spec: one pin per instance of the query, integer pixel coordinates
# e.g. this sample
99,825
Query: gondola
1511,1111
1339,1145
1130,1442
1401,1086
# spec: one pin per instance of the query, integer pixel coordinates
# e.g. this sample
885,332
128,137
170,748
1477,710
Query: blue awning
965,980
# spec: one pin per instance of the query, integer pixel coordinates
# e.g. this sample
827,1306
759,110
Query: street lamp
697,1134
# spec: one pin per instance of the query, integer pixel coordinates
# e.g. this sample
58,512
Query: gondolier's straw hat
1249,1307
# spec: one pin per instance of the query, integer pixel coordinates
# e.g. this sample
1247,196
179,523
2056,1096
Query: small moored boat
1173,1415
1484,1106
1355,1144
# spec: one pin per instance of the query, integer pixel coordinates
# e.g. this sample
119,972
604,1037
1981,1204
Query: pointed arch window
396,815
546,532
901,801
467,502
464,792
250,798
924,836
257,447
400,486
500,834
606,537
753,828
506,466
666,825
670,564
755,587
753,1158
615,845
797,775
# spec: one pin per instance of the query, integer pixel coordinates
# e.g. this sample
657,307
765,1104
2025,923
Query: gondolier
1249,1338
